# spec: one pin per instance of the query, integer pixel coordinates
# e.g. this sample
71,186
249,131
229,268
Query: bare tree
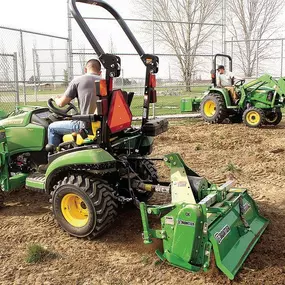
249,20
52,63
182,27
82,57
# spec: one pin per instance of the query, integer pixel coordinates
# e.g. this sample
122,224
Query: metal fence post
69,44
257,61
281,69
16,79
34,73
232,48
23,66
153,50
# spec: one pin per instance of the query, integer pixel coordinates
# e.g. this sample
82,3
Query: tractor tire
1,199
213,108
146,170
83,205
273,118
253,117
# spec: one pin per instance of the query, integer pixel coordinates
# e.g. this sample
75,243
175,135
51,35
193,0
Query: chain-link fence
41,65
46,63
253,58
9,88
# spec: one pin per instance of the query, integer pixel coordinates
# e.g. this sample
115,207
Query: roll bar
112,63
89,35
223,55
213,71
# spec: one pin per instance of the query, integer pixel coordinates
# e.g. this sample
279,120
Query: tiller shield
203,218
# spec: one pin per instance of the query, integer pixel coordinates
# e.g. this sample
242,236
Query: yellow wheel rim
209,108
74,210
253,117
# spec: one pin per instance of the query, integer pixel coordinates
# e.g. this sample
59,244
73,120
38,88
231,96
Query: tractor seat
119,116
79,139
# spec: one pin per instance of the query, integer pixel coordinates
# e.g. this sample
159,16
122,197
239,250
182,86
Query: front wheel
273,118
253,117
83,205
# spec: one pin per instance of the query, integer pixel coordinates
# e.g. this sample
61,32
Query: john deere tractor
95,171
259,101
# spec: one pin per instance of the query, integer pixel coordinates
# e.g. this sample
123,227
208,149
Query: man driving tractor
226,81
84,89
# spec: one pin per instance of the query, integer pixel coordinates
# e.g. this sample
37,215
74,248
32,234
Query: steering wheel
239,82
62,111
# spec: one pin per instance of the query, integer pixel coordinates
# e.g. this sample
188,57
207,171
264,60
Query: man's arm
62,101
69,94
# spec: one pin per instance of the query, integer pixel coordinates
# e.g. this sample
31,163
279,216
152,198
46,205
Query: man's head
221,69
93,66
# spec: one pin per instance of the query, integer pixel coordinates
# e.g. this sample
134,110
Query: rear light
152,81
103,88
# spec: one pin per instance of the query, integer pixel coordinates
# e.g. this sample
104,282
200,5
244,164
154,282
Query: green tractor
91,174
260,101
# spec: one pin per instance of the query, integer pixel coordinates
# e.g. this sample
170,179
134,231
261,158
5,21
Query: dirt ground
255,157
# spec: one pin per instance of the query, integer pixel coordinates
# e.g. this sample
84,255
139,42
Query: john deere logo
219,236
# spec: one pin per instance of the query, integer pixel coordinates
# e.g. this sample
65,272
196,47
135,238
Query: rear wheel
83,205
273,118
253,117
213,108
1,199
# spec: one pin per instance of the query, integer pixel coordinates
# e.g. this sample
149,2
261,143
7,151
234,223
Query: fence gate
9,84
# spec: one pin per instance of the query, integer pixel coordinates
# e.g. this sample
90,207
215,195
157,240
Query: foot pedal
36,182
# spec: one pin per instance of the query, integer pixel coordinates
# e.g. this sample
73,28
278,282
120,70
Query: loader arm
264,80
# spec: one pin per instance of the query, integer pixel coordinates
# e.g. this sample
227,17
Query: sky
50,16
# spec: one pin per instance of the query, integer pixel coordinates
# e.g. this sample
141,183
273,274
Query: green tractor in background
91,174
260,101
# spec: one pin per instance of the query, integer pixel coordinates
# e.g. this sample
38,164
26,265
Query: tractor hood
16,121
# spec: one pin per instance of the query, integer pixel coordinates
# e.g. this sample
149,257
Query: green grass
51,91
165,104
36,253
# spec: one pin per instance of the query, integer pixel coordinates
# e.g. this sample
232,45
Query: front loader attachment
223,220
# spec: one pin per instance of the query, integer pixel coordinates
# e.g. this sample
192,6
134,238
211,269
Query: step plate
36,182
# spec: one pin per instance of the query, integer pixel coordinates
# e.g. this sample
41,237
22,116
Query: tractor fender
96,160
224,92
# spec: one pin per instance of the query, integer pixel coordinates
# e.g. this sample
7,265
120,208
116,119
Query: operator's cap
221,67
